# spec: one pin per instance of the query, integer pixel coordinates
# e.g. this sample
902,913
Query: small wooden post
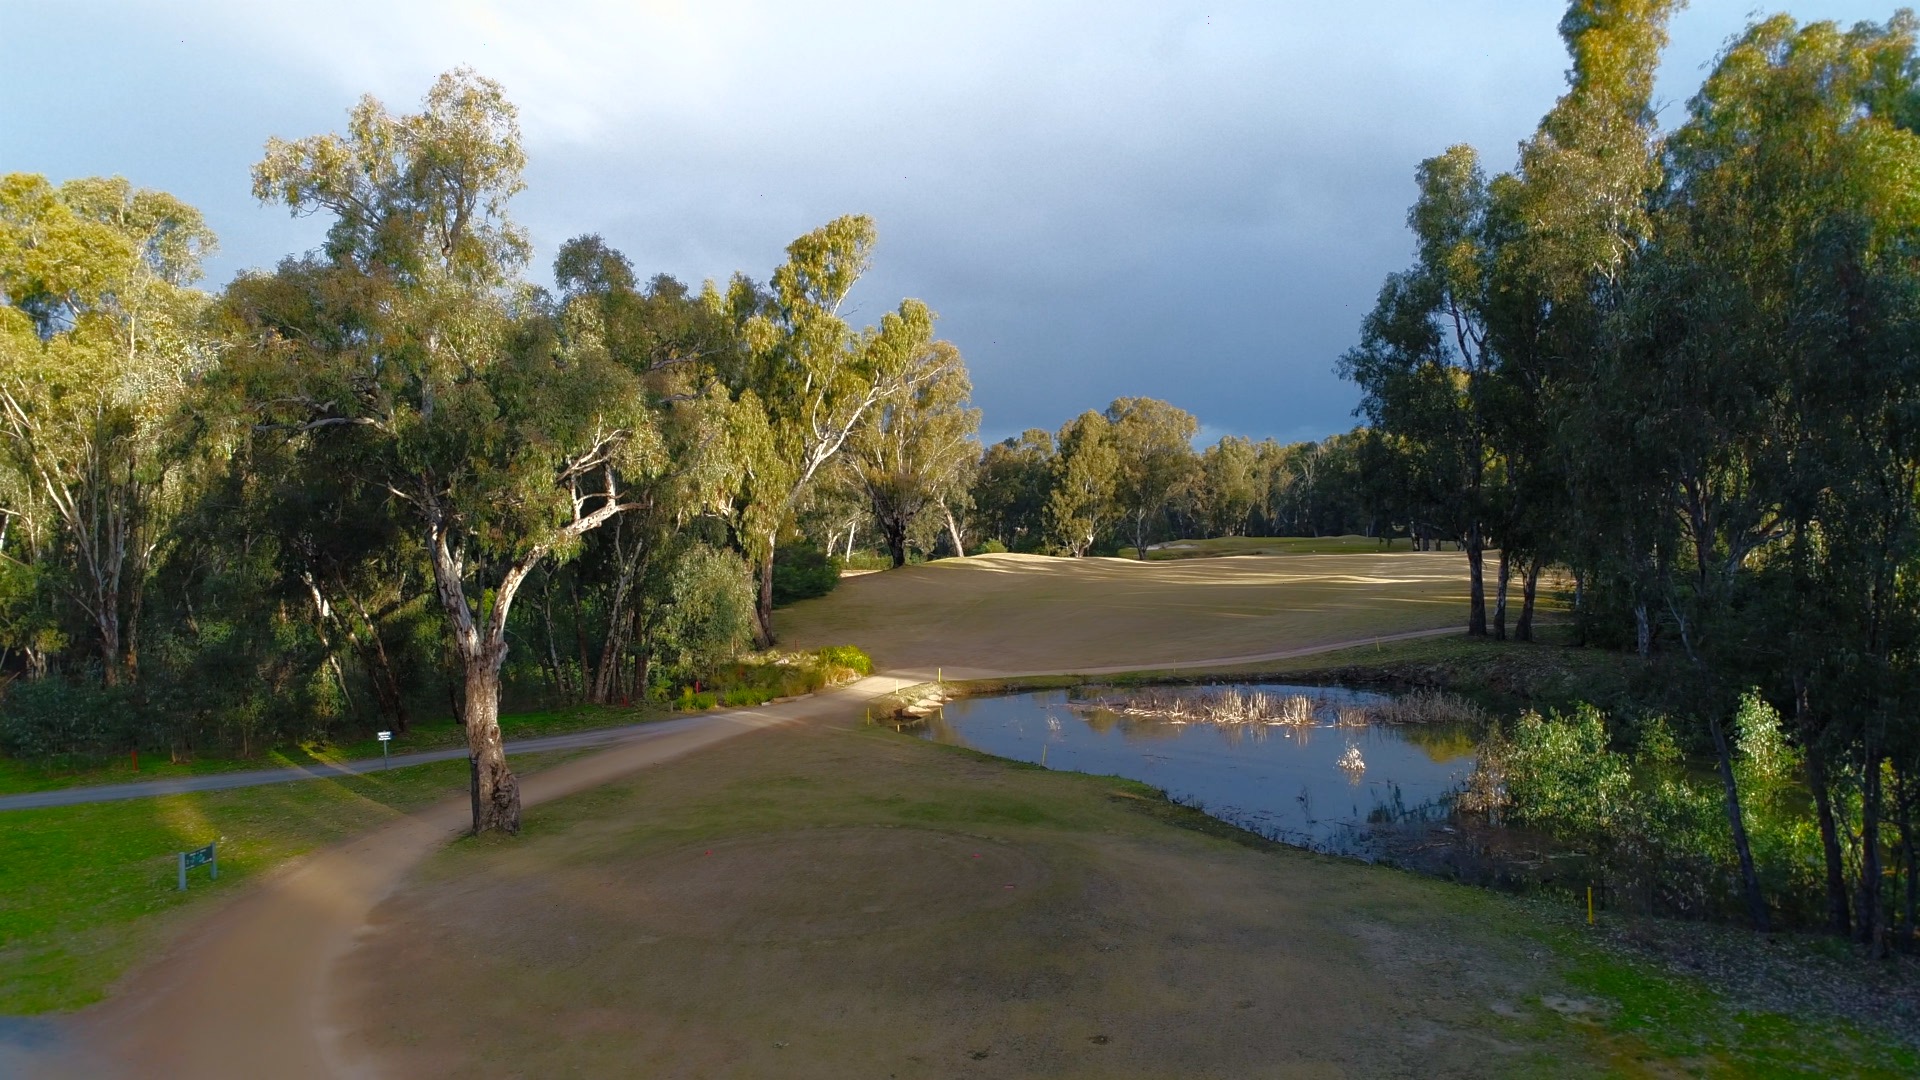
1589,905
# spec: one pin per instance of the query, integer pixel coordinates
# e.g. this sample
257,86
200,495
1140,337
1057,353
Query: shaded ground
837,901
240,992
992,614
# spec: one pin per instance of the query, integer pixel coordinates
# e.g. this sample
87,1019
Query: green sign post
199,857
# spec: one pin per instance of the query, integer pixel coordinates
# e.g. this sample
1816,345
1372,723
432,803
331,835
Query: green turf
87,891
1269,545
18,777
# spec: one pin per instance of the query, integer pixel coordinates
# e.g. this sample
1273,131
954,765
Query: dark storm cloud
1099,199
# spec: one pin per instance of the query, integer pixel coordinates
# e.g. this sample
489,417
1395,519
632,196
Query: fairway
999,614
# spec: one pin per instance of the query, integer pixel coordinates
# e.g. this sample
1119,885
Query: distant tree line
391,475
1122,478
1686,368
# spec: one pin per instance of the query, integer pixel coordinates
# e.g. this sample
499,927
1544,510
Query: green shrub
848,657
801,572
711,618
53,718
990,547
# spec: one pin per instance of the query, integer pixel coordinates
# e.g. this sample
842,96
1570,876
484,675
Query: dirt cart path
244,994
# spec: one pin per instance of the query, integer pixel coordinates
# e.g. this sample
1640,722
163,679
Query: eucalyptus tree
1154,444
1086,470
400,355
99,336
917,449
1566,228
679,346
1229,484
1425,360
1011,488
810,379
1796,179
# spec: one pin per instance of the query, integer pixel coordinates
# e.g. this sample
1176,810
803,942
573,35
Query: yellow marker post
1589,905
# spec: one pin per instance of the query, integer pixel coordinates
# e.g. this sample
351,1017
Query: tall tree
99,334
812,378
1229,484
917,449
397,356
1010,489
1424,359
1085,471
1154,443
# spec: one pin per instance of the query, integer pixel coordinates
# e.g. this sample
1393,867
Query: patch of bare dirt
861,924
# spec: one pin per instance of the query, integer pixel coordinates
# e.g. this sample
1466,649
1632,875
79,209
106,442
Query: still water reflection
1296,784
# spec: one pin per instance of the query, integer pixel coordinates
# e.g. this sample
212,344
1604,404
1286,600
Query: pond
1319,778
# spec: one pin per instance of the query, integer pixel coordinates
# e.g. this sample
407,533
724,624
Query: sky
1190,202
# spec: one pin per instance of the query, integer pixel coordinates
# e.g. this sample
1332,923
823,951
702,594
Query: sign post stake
386,755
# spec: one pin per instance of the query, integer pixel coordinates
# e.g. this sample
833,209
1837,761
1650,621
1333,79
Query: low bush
759,679
801,572
51,718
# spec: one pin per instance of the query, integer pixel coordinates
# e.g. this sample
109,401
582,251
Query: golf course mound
999,614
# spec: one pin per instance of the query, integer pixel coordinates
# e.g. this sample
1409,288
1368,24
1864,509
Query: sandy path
244,995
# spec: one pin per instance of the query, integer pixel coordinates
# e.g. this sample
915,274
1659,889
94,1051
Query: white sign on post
386,755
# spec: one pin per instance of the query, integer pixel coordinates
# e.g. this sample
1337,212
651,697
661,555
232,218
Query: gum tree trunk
763,611
1866,905
1500,597
498,792
1476,573
1523,630
1749,878
1839,910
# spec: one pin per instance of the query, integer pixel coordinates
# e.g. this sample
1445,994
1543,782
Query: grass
662,924
87,891
1216,547
440,733
1504,676
1001,614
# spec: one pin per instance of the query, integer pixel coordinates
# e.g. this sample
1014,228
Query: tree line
1109,480
333,489
1683,366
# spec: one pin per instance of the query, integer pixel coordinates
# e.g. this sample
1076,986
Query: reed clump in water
1229,706
1426,707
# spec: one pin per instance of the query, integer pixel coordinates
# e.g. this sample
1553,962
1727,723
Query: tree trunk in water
1477,584
763,611
1500,597
1523,630
497,794
1749,878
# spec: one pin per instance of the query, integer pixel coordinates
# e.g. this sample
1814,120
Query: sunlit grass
86,891
1269,545
437,733
992,614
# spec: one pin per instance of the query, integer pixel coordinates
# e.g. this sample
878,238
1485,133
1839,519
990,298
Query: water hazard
1313,775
